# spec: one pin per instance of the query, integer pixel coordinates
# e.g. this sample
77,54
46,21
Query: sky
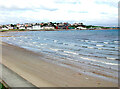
88,12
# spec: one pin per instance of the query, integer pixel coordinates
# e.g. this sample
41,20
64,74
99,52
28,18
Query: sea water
94,52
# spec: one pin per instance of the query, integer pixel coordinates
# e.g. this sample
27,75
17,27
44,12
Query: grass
17,30
2,86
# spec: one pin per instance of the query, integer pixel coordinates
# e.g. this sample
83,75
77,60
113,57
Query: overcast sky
90,12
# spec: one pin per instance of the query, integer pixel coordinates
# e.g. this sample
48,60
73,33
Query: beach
31,67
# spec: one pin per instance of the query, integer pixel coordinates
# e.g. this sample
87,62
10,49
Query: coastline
29,65
54,30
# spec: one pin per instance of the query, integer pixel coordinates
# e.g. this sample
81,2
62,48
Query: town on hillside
50,26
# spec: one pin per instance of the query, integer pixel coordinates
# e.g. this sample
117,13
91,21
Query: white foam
70,59
98,61
116,41
110,58
55,41
34,42
94,41
65,43
71,52
90,47
100,45
43,44
106,42
117,47
54,49
46,39
86,40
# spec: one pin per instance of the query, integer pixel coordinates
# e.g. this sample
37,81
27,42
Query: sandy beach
29,65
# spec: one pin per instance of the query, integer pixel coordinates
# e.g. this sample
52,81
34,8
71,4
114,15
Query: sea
92,52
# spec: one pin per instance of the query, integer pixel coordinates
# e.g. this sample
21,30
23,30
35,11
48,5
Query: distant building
22,27
61,26
29,28
48,27
10,28
5,28
81,28
36,27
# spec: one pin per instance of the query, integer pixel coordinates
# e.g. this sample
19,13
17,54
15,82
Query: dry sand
43,74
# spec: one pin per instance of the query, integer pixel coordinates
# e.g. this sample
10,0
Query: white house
82,28
48,27
10,27
36,27
29,28
21,27
5,28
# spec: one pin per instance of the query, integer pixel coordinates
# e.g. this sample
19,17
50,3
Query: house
48,27
22,27
36,27
5,28
10,28
61,26
81,28
29,28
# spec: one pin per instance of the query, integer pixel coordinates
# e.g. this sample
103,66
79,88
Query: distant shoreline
18,30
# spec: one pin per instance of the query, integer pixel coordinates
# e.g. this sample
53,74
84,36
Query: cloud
113,3
89,12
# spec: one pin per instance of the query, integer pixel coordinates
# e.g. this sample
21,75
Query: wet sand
31,67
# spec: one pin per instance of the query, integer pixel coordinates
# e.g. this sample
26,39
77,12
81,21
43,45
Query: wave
106,42
71,52
38,37
56,49
55,41
91,47
100,45
65,43
110,58
108,63
116,41
43,44
94,41
34,42
86,40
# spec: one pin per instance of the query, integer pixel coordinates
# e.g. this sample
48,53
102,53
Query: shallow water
94,52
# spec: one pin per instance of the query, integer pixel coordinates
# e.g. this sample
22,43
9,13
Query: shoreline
31,67
54,30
